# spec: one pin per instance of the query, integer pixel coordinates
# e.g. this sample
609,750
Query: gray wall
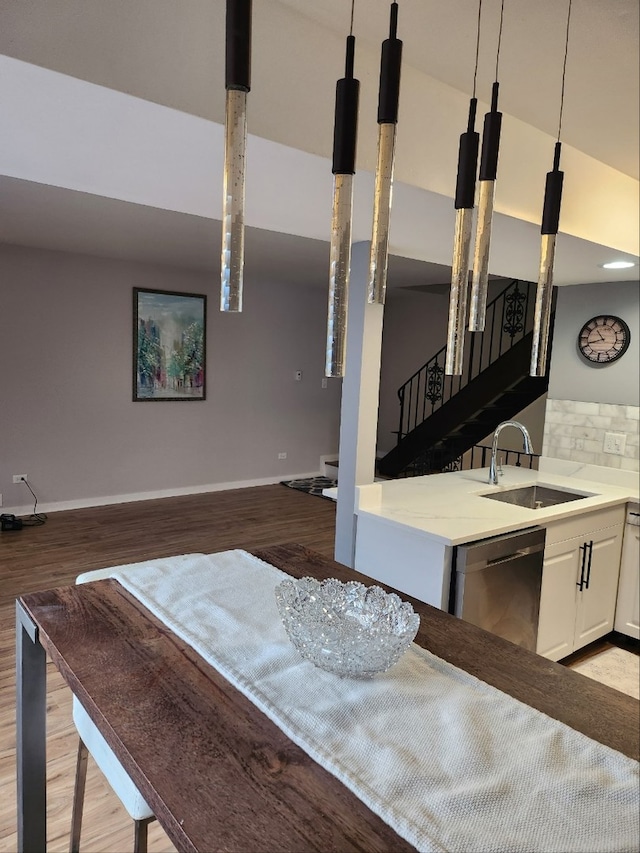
414,329
571,377
66,414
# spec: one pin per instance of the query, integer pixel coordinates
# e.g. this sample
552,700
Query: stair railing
477,456
509,318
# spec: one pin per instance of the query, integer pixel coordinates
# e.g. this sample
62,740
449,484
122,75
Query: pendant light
487,182
464,201
344,159
237,84
388,99
549,231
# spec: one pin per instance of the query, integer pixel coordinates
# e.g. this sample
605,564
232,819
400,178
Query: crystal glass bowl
346,628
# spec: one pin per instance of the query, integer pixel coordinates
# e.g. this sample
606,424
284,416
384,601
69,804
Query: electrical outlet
0,500
298,375
19,478
614,443
324,381
282,455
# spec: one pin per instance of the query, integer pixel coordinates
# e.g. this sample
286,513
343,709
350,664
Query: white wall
66,414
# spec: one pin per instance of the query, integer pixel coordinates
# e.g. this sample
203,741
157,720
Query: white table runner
451,763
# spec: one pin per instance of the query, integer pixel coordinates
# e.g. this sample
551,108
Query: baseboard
85,503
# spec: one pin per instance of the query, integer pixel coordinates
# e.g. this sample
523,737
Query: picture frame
169,345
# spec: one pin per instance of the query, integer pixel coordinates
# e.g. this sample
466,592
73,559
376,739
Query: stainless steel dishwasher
497,584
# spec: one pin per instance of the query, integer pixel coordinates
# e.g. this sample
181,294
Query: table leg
30,735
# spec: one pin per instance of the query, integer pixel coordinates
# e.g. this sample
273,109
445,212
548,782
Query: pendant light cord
353,5
475,70
564,70
499,37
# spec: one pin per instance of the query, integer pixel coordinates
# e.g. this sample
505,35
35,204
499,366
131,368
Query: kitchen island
407,529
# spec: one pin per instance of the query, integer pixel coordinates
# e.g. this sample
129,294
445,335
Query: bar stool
91,741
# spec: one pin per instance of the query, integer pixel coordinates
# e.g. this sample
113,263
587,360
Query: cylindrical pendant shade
458,296
487,180
344,167
544,293
381,213
390,65
237,71
542,315
553,195
237,84
480,283
388,102
235,143
467,161
340,259
464,200
345,125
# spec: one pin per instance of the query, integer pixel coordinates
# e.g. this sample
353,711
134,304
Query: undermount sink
535,497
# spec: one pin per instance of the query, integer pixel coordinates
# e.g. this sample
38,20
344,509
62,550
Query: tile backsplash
575,430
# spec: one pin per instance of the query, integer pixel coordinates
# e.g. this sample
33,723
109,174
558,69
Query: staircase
442,417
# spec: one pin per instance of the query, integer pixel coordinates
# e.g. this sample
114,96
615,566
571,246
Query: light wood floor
80,540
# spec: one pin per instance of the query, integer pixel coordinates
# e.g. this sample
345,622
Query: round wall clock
603,339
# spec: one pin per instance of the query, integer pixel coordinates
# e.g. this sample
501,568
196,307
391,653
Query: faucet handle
500,471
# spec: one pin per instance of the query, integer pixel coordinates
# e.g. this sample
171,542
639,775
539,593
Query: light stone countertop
449,507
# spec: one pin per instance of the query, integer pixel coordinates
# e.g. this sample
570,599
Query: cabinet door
558,597
628,605
597,603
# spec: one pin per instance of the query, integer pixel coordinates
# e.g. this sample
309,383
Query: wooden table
218,774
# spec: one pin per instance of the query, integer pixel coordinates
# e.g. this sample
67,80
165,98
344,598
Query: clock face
603,339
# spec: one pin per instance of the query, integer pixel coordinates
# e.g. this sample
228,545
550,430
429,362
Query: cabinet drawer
585,524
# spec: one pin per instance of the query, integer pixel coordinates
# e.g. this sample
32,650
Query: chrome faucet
528,447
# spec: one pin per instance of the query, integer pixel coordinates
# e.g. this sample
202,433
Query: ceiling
602,75
58,219
168,53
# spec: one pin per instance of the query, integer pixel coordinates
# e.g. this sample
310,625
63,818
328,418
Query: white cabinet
579,581
628,606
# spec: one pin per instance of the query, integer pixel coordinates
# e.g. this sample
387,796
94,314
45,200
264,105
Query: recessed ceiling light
618,265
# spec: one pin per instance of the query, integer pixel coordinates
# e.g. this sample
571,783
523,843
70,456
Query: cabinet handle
590,546
583,548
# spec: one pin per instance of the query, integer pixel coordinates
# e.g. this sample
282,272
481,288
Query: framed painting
169,345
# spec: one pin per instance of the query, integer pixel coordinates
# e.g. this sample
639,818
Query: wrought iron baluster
414,402
481,359
492,337
434,383
423,393
516,304
470,371
401,423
